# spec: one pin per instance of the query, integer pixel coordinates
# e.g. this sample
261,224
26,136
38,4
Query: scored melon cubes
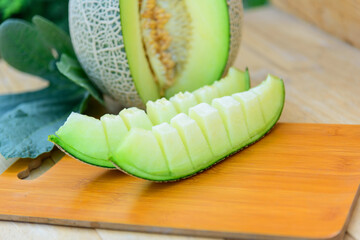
194,141
231,81
189,144
135,118
83,137
174,150
115,130
183,101
234,120
163,110
270,97
211,125
141,155
206,94
252,109
160,111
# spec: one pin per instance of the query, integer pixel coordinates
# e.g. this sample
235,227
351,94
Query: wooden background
340,18
322,81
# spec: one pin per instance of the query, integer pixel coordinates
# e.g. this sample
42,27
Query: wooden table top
322,81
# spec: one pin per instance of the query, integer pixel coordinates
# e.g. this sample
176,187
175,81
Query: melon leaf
26,119
54,36
71,69
22,47
9,7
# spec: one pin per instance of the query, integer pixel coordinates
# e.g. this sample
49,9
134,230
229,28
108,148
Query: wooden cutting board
300,181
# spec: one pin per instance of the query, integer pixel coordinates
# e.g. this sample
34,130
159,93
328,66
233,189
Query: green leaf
9,7
22,47
71,69
28,118
36,48
55,37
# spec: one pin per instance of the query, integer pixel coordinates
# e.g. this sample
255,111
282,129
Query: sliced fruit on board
137,51
204,134
83,138
116,127
163,110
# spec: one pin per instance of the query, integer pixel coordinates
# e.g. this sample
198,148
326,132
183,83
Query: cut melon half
142,50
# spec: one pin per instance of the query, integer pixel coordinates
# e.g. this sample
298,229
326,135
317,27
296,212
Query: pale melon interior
179,46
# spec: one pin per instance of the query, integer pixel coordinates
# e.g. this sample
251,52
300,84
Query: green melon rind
129,169
78,155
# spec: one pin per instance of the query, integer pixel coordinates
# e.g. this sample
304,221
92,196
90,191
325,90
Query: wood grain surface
340,18
300,181
321,77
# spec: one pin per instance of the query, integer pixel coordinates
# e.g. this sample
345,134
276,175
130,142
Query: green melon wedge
83,138
209,134
103,136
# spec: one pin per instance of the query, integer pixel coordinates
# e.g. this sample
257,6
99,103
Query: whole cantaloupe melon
140,50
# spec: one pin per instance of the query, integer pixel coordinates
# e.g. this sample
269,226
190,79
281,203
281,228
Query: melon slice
116,127
155,167
83,138
207,134
186,146
136,51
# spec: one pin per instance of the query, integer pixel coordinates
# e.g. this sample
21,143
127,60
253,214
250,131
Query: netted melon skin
236,18
96,35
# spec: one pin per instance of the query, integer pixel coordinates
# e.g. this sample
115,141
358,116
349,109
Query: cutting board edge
177,231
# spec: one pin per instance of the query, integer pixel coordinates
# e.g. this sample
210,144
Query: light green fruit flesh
210,37
209,120
189,144
76,133
163,110
83,137
135,118
137,160
115,130
234,81
139,67
210,133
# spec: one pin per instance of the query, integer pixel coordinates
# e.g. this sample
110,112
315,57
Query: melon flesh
135,53
83,138
209,134
115,130
193,139
173,149
252,109
163,110
116,127
234,120
186,146
154,167
212,127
